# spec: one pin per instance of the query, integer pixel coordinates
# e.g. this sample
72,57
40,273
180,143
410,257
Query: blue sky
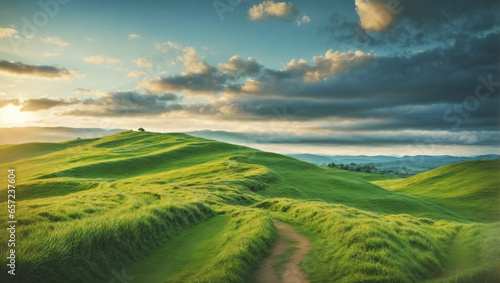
369,75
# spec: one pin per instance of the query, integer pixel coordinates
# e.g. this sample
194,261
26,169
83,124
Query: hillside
390,165
141,200
470,189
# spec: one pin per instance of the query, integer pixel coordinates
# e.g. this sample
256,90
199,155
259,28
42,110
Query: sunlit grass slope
87,208
352,245
470,189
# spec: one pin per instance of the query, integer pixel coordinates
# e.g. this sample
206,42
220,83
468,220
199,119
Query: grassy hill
470,189
87,208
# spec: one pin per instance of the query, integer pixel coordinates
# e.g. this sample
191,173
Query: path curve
287,237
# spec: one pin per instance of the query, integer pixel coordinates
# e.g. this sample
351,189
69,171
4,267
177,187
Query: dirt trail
290,273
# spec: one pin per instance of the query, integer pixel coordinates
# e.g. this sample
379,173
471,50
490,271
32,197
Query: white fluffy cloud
137,74
375,15
192,64
54,40
270,9
304,20
235,64
325,66
98,59
143,62
250,86
134,36
7,32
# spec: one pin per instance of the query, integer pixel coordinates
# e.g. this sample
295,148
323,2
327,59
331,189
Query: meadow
176,208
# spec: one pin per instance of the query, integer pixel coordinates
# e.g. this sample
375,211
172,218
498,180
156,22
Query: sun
10,115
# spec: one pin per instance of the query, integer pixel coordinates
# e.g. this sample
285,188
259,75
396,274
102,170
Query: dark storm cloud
416,23
453,87
481,138
437,75
42,72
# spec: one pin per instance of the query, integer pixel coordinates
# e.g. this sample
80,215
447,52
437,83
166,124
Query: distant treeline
373,168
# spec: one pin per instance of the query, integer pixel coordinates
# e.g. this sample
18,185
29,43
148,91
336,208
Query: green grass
470,189
351,245
225,248
183,255
474,255
138,200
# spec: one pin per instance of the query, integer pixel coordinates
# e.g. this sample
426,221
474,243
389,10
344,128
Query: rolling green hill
87,208
470,189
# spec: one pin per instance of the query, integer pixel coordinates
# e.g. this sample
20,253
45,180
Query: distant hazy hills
401,166
424,160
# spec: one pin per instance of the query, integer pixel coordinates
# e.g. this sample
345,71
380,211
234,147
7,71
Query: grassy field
470,189
176,208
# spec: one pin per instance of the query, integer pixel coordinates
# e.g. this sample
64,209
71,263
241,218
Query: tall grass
350,245
474,255
243,243
88,207
88,249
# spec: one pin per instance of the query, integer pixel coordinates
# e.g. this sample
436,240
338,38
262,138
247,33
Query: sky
356,77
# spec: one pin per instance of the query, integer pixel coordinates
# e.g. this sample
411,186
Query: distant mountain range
436,160
393,165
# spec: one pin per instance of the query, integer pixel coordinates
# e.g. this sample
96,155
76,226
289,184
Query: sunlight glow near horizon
12,116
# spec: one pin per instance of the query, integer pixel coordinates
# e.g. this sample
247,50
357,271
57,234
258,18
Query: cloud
134,36
416,22
137,74
112,104
8,32
129,103
34,71
48,54
165,46
143,62
193,65
248,76
44,103
236,65
375,15
375,138
54,40
251,86
304,20
99,59
37,104
328,65
272,10
89,92
5,102
200,78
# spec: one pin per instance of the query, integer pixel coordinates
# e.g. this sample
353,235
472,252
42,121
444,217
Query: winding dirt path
290,273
